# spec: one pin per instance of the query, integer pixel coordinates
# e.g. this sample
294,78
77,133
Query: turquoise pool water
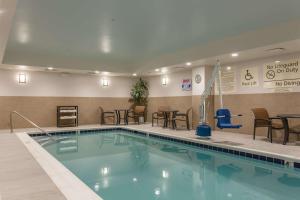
119,165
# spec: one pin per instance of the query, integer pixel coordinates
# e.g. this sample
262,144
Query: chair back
261,115
101,109
223,116
139,109
188,111
224,119
163,108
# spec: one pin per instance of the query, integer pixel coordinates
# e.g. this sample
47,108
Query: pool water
120,165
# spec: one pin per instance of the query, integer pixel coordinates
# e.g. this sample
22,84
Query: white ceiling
135,36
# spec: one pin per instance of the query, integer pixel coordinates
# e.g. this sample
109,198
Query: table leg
126,117
173,119
165,120
286,130
118,117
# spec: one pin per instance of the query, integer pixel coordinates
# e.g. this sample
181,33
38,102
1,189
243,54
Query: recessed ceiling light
164,70
157,70
134,74
228,68
234,55
188,64
105,73
22,67
50,68
97,72
277,61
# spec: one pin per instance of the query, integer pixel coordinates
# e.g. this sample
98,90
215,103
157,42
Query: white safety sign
282,74
228,80
249,77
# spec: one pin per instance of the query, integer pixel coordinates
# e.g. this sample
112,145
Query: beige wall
63,85
42,110
276,103
244,98
85,91
44,91
173,87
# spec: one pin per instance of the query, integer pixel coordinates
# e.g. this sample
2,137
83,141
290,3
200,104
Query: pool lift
223,115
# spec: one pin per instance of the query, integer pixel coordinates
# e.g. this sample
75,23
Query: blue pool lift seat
223,117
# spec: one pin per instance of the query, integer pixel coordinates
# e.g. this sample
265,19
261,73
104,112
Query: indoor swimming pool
118,164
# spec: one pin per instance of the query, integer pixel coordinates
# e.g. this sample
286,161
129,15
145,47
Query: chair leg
254,131
187,122
102,119
152,121
270,134
174,124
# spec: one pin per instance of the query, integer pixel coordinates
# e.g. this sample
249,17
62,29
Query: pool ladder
30,122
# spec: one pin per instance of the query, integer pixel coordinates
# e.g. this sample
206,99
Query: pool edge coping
288,160
69,184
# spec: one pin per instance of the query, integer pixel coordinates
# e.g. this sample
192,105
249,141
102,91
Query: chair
177,116
106,115
159,115
262,119
224,119
136,112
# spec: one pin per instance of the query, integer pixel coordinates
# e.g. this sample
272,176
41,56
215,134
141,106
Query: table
166,114
119,118
285,121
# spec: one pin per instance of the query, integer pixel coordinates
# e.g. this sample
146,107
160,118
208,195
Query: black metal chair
106,115
177,116
262,119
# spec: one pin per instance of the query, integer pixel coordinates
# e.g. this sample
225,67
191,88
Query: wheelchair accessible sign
249,77
284,74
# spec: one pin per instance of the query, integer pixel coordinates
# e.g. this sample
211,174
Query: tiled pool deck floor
21,177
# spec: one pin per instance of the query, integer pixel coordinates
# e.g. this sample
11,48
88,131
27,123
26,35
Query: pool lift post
204,129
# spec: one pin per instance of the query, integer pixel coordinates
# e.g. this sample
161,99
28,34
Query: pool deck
21,177
27,172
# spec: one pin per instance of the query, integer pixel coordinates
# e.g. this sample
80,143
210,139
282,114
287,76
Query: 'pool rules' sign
283,74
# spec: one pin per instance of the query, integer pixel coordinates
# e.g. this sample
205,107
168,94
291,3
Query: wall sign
186,85
283,74
198,78
228,80
249,77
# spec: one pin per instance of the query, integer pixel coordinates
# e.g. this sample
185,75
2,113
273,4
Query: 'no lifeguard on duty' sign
283,74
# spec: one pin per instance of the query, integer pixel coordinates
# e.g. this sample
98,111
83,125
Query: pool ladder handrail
29,121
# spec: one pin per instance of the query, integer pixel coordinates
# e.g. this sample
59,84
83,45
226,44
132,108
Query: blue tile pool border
176,140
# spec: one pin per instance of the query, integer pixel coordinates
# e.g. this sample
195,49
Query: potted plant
139,94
